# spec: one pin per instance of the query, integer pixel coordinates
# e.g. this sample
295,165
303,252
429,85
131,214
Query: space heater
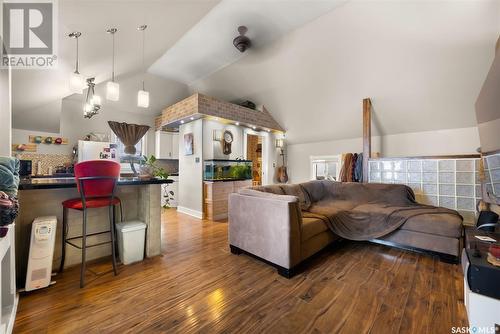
43,237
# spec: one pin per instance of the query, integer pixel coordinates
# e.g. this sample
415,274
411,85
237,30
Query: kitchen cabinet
166,145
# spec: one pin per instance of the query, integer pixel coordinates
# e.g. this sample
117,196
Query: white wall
213,149
5,111
442,142
191,171
5,103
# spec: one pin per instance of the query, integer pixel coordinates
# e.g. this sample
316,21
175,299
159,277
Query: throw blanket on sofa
365,211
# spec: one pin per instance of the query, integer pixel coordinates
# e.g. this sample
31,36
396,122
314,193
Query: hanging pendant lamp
76,81
92,101
143,95
112,87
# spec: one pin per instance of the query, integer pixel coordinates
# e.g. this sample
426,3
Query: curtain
129,134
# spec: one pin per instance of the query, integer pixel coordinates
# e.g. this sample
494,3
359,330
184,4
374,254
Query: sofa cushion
297,190
446,225
312,226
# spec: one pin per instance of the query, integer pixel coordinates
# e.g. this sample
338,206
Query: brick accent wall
199,105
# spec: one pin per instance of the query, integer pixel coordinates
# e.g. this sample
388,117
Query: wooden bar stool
96,182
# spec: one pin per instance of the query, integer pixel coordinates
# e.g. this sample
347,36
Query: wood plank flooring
197,285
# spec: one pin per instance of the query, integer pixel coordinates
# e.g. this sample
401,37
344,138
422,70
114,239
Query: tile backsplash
171,166
46,160
452,183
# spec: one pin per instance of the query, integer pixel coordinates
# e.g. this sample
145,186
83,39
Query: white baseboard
191,212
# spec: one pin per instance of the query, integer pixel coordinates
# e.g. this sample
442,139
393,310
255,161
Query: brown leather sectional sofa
280,223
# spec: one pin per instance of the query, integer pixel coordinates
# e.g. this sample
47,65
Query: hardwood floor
197,285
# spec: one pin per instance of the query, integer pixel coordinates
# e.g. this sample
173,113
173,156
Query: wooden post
367,136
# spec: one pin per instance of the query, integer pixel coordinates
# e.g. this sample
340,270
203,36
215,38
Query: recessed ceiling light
237,123
192,118
182,121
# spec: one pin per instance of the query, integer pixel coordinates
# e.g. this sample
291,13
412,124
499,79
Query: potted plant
150,169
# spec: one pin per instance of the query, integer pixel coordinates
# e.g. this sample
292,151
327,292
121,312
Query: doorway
254,153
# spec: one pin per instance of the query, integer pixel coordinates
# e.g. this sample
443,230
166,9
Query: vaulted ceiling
421,62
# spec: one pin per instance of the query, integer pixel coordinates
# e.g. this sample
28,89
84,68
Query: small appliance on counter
25,168
43,237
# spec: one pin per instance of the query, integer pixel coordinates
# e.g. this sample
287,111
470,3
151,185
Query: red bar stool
96,182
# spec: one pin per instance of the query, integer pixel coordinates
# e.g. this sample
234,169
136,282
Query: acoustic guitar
282,174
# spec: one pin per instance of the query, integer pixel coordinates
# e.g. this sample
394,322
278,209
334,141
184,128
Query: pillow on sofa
298,191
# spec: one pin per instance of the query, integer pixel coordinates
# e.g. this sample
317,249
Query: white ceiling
36,93
421,62
207,47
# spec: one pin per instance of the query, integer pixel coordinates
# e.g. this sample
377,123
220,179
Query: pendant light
76,81
142,95
112,87
92,101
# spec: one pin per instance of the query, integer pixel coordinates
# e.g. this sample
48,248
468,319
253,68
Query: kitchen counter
69,182
44,197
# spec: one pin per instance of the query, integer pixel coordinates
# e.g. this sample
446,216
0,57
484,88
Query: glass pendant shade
76,83
96,100
112,91
87,108
143,99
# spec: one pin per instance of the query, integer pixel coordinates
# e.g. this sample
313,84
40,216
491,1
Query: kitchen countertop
226,180
69,182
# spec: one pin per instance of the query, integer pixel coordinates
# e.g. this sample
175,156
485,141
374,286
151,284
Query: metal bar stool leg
64,233
84,248
112,232
121,212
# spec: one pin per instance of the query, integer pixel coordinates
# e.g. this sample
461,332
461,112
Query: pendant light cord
113,61
77,63
143,46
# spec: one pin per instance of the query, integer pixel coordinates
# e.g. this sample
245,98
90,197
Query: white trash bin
131,236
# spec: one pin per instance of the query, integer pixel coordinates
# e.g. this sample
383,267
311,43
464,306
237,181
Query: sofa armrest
266,226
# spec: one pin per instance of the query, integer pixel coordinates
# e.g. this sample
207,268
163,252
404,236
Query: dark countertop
69,182
226,180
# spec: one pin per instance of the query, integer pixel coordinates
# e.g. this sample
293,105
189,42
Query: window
325,167
140,148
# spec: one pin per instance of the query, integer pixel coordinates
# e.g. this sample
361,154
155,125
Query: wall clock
226,142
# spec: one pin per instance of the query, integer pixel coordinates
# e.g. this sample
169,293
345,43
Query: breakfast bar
43,197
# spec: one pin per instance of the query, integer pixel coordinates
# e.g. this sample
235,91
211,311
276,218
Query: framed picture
188,144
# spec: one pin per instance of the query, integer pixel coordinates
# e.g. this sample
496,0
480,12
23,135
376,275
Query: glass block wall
492,174
451,183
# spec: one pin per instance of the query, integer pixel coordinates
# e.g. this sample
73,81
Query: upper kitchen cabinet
167,145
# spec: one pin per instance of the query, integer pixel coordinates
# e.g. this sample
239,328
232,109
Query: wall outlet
197,160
